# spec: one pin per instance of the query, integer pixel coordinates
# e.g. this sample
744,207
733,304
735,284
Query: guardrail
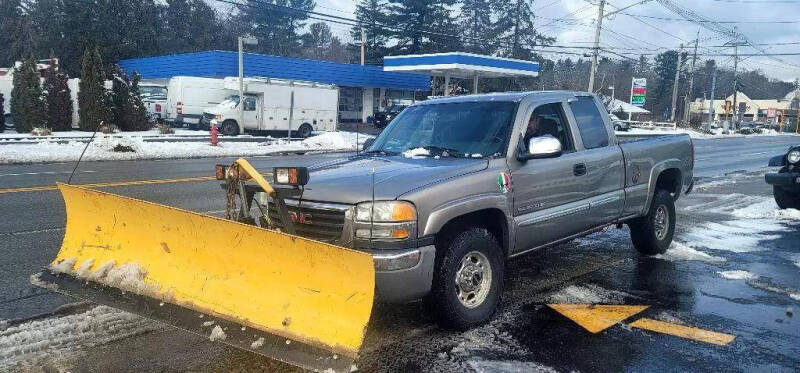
650,124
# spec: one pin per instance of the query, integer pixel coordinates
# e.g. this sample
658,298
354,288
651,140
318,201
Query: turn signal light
291,175
220,171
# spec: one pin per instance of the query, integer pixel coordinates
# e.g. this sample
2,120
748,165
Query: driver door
252,116
549,193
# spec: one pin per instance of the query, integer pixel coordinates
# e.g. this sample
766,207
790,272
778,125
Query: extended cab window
590,123
549,120
249,104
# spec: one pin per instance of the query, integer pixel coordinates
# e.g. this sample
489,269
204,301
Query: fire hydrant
214,134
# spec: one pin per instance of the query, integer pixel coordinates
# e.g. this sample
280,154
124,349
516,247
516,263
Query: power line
693,21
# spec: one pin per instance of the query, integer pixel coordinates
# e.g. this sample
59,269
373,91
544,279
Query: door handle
579,169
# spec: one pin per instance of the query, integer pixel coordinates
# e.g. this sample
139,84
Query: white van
188,96
276,105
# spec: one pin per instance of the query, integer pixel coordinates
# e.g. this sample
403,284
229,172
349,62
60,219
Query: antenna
69,181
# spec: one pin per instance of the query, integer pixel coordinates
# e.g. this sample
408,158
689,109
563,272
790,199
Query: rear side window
590,122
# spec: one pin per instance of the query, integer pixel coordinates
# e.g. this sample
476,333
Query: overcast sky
572,23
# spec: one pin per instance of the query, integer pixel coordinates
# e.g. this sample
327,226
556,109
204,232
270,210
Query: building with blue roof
362,89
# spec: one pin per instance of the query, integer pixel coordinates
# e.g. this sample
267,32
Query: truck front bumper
790,180
403,275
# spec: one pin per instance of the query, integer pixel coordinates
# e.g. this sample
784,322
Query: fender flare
445,213
655,172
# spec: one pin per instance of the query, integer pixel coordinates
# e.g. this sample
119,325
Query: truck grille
321,222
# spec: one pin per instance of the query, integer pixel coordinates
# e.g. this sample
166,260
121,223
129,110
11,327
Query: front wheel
229,128
785,199
468,280
652,234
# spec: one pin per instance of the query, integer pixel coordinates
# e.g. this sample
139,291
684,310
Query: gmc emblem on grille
299,217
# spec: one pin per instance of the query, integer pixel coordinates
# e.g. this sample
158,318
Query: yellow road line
109,184
687,332
597,317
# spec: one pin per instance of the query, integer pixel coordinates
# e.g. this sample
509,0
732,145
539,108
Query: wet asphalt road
525,335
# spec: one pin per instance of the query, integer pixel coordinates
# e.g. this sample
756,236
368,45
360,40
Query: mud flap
300,301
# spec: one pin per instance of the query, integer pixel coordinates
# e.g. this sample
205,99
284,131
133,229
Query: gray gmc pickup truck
455,187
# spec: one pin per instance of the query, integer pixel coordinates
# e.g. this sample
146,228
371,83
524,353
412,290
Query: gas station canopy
461,65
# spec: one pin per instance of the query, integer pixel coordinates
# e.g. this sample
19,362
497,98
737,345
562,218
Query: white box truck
188,96
276,105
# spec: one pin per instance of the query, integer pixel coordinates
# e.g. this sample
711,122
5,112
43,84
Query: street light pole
675,84
242,42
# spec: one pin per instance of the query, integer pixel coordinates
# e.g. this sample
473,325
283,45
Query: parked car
154,97
188,96
450,190
786,182
619,124
384,117
276,105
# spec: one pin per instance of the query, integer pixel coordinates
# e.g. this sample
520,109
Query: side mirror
541,147
367,143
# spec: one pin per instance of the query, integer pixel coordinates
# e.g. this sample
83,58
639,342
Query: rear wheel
468,280
229,128
785,199
652,234
304,131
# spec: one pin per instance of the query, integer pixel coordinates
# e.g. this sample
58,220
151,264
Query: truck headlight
385,212
218,117
385,220
793,156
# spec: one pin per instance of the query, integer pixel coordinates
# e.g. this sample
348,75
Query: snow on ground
766,209
103,148
13,135
498,366
25,346
717,133
679,251
588,293
738,275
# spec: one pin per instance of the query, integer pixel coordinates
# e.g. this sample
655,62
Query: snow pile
738,275
128,277
738,236
35,341
715,132
766,209
679,251
258,343
416,153
217,334
127,148
589,293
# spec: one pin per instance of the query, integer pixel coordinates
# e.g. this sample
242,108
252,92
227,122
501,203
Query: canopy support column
475,84
447,85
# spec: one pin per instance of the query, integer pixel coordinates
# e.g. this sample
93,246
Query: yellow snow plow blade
276,294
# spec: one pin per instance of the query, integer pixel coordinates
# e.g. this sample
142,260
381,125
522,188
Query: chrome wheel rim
473,279
661,222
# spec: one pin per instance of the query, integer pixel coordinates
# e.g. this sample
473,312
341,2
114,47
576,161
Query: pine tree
477,28
274,26
372,15
27,102
93,102
515,19
59,102
127,110
426,26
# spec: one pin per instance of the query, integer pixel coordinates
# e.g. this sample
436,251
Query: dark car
786,182
385,117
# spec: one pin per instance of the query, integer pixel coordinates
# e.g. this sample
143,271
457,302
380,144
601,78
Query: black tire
617,127
9,120
304,131
785,199
229,128
648,236
444,300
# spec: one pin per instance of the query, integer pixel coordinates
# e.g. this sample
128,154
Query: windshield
148,91
468,129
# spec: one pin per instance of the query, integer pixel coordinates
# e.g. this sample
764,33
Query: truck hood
349,179
220,108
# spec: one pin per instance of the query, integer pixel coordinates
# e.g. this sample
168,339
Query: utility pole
596,48
363,45
711,107
691,81
735,122
675,84
242,42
